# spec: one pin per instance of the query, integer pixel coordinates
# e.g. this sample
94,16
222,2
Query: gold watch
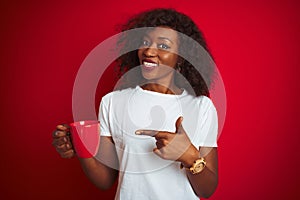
197,166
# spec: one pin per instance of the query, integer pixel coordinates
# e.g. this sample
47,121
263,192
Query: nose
150,51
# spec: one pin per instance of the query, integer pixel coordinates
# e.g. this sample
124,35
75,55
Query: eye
145,43
163,46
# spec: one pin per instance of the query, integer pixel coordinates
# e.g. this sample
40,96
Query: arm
205,182
102,170
178,147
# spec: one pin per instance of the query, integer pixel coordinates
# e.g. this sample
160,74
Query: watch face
199,167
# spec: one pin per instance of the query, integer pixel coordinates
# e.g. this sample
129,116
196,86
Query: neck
171,89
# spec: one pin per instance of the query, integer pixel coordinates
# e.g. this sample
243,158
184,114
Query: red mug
85,138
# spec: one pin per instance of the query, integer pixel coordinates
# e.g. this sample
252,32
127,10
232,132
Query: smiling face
158,55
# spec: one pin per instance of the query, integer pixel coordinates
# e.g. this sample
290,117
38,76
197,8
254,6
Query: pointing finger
146,132
153,133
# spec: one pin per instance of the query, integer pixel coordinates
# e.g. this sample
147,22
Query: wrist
191,155
194,164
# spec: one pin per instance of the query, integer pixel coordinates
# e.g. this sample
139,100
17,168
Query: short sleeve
207,132
104,119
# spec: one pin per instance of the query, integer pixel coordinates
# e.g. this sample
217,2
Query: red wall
255,45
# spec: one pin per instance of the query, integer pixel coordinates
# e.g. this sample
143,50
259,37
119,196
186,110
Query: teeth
148,64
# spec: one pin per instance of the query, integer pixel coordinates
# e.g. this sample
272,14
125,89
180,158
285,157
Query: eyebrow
161,38
164,38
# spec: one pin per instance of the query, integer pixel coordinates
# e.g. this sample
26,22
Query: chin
148,76
149,79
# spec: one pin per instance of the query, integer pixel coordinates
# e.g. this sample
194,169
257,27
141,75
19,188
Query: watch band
197,166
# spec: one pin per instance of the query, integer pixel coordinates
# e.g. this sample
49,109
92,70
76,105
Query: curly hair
198,80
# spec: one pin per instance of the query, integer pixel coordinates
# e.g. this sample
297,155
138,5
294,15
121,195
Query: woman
159,129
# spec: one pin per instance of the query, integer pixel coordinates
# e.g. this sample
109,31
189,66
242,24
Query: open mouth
149,65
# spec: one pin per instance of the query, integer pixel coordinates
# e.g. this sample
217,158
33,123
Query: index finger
154,133
151,133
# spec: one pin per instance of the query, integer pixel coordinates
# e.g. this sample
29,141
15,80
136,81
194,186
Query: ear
180,59
179,64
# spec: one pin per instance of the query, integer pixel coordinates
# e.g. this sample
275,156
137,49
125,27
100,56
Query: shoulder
117,94
207,108
206,105
205,101
201,101
199,105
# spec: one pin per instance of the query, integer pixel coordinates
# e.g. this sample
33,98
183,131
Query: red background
256,47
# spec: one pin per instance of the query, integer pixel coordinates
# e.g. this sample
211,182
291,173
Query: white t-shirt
144,175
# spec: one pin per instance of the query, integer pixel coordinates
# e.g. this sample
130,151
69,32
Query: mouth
148,65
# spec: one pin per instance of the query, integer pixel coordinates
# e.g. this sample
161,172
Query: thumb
63,127
178,124
157,152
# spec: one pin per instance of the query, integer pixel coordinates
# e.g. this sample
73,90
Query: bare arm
102,169
205,182
178,147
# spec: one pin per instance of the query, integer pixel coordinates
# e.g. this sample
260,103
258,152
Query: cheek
170,59
140,53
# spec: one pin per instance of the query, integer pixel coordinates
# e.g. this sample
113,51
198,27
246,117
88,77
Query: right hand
62,142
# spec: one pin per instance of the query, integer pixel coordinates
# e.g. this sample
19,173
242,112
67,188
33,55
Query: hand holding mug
62,141
85,137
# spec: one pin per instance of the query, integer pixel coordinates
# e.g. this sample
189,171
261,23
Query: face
158,55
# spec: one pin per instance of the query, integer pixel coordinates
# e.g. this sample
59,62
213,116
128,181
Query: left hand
173,146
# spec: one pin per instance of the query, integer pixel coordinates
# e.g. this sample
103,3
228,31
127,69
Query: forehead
163,32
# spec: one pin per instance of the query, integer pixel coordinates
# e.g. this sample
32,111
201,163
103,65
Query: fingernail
138,132
65,139
60,126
